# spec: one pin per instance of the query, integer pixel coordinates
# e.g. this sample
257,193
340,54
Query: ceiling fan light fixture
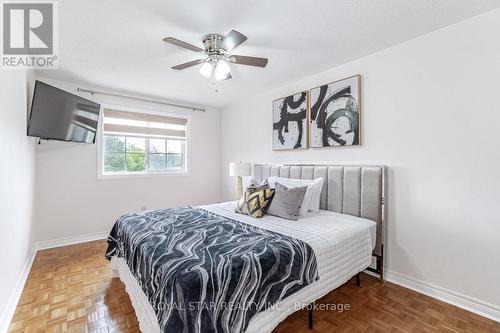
222,70
218,51
206,69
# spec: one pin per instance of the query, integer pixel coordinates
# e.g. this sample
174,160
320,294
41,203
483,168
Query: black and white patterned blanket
203,272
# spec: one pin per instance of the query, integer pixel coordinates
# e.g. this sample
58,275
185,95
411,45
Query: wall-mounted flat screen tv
59,115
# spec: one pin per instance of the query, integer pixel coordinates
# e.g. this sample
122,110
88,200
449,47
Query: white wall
71,201
432,114
16,189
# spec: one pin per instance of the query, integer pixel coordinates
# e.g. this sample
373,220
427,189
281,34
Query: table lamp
238,170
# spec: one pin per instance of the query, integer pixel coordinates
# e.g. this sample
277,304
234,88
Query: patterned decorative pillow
256,200
253,185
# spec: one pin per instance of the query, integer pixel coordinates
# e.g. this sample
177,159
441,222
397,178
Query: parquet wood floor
70,289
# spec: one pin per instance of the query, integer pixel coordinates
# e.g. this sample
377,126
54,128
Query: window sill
129,175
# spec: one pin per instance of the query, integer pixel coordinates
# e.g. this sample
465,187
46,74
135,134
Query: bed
346,237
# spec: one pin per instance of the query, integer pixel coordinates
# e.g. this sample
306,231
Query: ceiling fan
217,49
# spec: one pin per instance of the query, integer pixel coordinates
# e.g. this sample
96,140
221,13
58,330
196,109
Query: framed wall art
336,114
290,116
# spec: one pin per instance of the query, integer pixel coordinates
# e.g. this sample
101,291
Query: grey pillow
286,201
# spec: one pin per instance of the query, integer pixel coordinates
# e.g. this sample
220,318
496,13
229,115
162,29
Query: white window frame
136,174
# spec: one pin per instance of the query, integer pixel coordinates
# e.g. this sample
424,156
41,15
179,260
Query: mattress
342,244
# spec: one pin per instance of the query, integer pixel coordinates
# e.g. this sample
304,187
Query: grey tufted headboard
354,190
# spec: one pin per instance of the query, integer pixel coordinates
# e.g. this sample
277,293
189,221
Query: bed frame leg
358,280
310,308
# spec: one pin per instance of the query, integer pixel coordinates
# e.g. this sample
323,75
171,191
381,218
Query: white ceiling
117,44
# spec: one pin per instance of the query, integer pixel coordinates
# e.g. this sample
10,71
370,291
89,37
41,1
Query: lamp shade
206,69
240,169
221,70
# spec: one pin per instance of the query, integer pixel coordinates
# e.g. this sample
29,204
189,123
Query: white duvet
342,243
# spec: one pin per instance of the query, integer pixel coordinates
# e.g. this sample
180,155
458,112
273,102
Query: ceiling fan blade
188,64
250,61
175,41
233,40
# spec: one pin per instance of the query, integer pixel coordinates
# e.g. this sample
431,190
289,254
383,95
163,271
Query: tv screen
59,115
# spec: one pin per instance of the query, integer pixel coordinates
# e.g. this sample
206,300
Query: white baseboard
8,313
468,303
49,244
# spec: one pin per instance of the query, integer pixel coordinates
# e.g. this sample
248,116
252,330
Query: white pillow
245,181
313,193
316,198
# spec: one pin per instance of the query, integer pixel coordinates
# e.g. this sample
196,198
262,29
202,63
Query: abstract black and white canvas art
290,122
335,114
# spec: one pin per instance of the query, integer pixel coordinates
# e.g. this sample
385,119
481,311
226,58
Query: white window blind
141,124
142,143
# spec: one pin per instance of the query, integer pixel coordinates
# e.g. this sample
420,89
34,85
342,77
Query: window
137,143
